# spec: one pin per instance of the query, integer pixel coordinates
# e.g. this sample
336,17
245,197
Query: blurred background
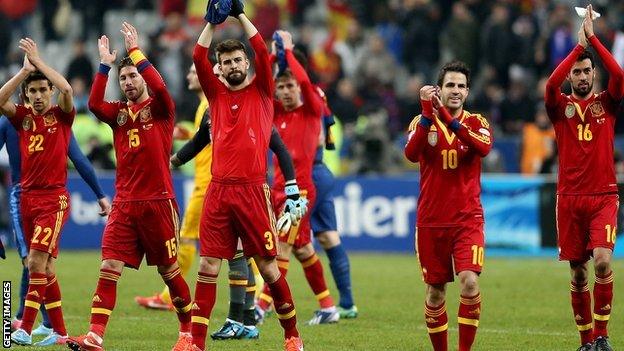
371,57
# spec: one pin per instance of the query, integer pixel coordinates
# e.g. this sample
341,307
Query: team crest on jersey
145,115
27,123
432,138
596,109
122,118
49,120
570,110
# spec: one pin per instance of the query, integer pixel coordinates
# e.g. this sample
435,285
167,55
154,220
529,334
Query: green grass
525,307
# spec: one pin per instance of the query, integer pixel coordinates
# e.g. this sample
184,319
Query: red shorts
43,217
440,249
238,210
298,235
137,228
585,222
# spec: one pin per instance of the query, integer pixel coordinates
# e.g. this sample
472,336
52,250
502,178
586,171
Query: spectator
80,65
538,138
460,38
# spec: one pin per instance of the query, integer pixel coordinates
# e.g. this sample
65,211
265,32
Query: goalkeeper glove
280,53
283,224
237,8
217,11
296,205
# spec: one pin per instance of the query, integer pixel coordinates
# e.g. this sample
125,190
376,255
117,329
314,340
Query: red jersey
241,120
143,137
450,169
44,141
584,129
300,128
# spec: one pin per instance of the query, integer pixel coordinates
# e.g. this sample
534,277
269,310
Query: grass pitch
525,307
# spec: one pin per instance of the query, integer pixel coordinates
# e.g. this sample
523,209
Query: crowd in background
371,57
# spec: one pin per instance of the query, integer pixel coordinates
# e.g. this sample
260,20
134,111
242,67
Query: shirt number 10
449,159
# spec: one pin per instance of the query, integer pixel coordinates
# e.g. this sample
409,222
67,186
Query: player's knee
328,239
469,282
37,262
602,265
112,265
268,269
435,295
209,265
579,272
304,252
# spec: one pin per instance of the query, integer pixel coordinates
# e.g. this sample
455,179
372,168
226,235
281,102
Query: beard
135,94
584,91
236,78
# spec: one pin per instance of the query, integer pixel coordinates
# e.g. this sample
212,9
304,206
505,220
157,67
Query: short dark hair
586,54
229,45
33,77
125,62
454,66
285,74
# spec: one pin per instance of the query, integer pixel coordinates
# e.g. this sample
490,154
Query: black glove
237,8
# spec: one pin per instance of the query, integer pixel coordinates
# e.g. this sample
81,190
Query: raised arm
207,78
152,78
103,110
276,144
311,98
616,75
553,85
65,99
418,129
262,62
7,108
192,147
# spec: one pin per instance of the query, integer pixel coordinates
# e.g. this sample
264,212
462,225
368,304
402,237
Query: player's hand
296,205
30,49
105,206
427,92
106,56
181,133
286,39
588,22
28,67
131,36
582,38
175,161
437,103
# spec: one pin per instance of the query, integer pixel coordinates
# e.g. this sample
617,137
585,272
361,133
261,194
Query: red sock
52,302
36,291
103,300
180,297
468,319
314,274
437,326
205,297
581,307
266,299
284,307
603,296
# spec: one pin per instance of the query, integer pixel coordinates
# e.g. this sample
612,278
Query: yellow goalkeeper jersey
203,160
